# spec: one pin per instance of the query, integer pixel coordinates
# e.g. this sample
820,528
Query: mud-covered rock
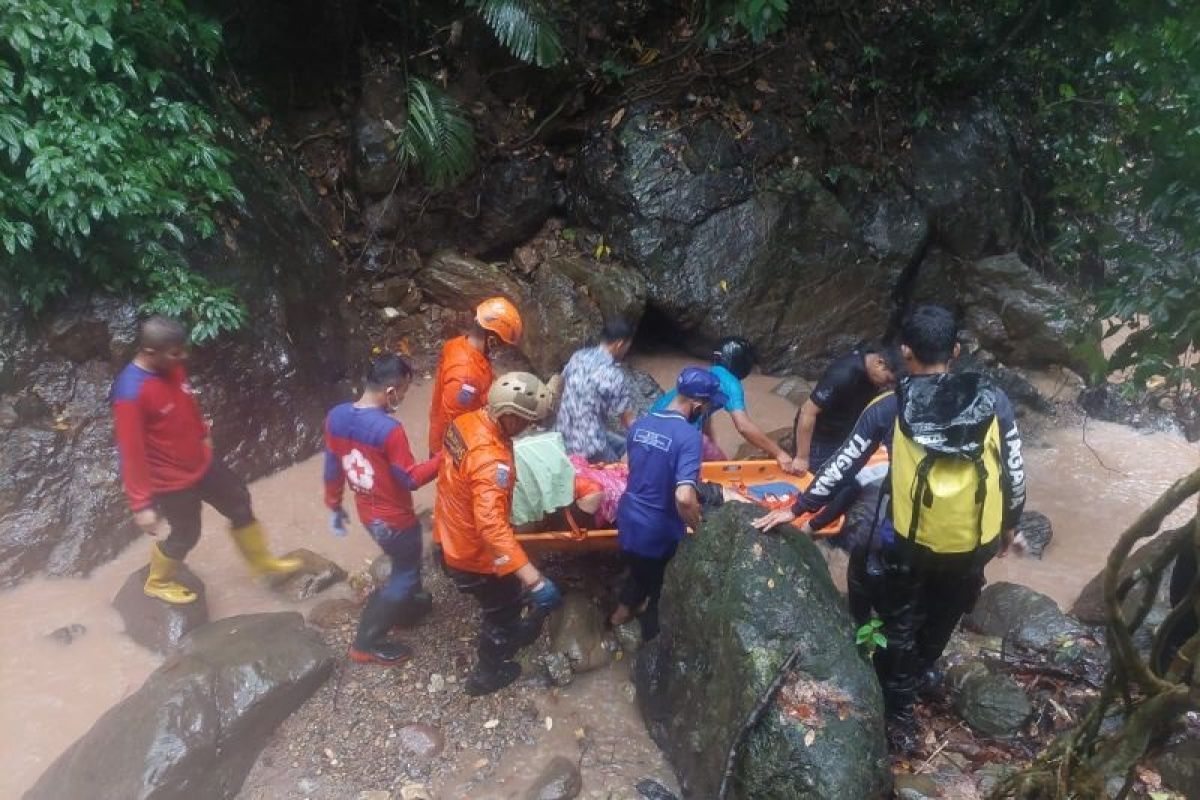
1025,618
890,220
577,631
617,291
967,177
153,623
735,605
994,705
559,780
316,574
1109,402
651,789
197,724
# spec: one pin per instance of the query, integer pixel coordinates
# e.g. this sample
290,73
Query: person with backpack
954,494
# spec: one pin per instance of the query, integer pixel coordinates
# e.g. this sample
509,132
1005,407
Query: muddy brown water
51,693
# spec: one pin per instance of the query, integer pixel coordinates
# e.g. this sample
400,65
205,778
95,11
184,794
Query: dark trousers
643,584
403,547
922,596
502,629
221,489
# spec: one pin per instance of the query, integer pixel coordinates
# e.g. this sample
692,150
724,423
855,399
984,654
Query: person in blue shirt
732,361
662,498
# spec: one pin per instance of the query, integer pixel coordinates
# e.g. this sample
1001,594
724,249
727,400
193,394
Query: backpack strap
980,498
921,494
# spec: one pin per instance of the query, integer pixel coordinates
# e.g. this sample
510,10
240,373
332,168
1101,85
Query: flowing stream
51,693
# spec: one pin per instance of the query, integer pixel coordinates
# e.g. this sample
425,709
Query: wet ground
51,693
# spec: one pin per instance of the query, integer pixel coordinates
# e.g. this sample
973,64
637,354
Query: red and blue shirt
160,433
368,449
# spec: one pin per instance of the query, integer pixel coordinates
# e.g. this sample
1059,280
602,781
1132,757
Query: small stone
421,740
994,705
559,668
491,724
437,683
67,633
306,785
316,574
560,780
651,789
415,791
374,794
390,313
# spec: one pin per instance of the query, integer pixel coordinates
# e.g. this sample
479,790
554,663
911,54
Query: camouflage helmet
520,394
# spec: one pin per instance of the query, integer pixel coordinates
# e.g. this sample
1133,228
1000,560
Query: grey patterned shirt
595,390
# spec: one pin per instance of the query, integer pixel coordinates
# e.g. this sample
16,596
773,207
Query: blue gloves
544,595
337,522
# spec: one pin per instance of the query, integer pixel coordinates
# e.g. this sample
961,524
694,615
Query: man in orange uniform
464,372
471,516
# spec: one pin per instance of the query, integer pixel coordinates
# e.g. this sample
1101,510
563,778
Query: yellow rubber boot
159,583
252,541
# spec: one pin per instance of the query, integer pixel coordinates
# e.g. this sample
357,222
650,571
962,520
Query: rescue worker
829,413
731,363
472,519
167,463
464,372
661,500
366,447
956,489
595,390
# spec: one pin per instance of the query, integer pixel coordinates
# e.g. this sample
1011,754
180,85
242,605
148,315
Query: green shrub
107,166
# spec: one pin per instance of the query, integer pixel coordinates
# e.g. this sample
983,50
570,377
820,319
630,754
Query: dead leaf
764,87
491,723
647,57
616,119
549,723
770,583
810,737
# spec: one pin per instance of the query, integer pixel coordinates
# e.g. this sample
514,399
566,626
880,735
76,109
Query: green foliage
103,165
870,636
523,27
759,18
438,139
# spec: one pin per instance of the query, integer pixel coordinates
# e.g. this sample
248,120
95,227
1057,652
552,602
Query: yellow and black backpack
946,490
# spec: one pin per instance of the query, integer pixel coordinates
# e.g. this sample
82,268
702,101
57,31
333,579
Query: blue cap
700,384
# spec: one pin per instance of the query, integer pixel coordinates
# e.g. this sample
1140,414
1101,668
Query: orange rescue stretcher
760,482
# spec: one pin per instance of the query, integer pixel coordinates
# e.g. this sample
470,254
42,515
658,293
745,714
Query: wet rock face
736,604
157,625
1106,401
266,387
316,574
516,197
1037,530
775,258
380,117
967,177
197,724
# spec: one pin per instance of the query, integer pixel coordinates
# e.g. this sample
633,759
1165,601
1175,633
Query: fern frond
438,139
525,28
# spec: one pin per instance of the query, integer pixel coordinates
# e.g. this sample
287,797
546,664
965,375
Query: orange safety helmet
498,315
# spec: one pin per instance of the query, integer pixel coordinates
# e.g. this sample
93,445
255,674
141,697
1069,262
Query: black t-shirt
841,394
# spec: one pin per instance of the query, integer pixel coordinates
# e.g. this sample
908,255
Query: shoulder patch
466,395
503,475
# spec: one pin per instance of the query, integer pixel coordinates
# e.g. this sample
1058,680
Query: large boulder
1039,323
735,605
517,196
773,257
197,724
1089,607
1025,618
461,282
154,624
994,705
967,176
266,387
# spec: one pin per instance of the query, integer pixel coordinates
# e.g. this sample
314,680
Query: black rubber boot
494,670
370,643
414,610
